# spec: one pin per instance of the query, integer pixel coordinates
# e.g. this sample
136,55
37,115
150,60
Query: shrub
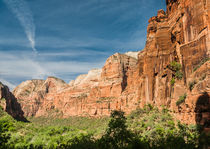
2,99
175,66
181,99
5,126
179,75
80,142
172,81
201,63
191,85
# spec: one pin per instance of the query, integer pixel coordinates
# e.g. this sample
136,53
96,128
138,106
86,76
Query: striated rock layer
131,80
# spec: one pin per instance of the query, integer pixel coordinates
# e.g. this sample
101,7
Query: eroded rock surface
181,35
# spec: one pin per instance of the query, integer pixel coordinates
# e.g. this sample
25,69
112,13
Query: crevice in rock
202,111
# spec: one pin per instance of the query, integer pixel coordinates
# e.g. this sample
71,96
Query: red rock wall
181,34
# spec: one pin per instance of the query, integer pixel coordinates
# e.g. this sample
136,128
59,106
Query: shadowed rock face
203,111
9,103
128,81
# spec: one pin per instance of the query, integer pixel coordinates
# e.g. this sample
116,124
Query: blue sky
71,36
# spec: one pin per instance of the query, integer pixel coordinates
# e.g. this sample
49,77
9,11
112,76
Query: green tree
5,127
117,135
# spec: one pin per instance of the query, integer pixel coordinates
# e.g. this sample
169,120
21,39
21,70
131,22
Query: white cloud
10,85
14,66
23,13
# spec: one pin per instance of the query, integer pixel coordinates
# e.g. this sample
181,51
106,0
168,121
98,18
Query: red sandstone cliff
9,103
126,82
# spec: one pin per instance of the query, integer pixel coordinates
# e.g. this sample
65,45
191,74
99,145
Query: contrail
24,15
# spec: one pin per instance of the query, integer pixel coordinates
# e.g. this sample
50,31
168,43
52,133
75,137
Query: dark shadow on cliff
13,108
202,111
202,118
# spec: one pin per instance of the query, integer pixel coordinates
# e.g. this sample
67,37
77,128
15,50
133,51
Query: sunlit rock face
131,80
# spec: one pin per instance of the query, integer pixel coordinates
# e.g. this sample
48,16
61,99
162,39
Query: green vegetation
175,66
173,81
192,84
147,128
201,63
6,125
181,99
177,73
2,99
102,99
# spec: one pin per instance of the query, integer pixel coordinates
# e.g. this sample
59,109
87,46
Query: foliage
6,125
117,135
51,133
192,84
175,66
2,99
181,99
145,128
201,63
157,129
80,142
179,75
172,81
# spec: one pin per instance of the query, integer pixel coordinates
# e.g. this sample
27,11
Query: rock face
31,94
174,65
9,103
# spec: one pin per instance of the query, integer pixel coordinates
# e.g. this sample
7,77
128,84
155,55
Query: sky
66,38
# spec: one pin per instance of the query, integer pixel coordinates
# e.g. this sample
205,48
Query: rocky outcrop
9,103
172,71
31,94
86,80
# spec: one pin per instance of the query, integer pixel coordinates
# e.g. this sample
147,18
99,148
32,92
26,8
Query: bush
173,81
181,99
175,66
179,75
5,126
80,142
191,85
2,99
201,63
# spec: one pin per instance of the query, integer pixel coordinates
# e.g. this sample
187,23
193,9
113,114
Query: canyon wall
9,103
172,71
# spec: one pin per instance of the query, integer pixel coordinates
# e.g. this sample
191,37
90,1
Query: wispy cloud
24,15
73,36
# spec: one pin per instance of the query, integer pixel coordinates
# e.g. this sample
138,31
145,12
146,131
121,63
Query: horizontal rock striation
172,71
